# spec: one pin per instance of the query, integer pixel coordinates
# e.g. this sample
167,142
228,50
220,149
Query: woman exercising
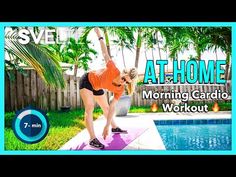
91,87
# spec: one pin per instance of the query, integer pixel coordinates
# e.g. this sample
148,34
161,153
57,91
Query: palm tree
78,52
220,38
122,44
158,44
145,51
149,40
146,35
124,33
178,39
44,62
57,48
138,47
174,39
105,30
125,39
107,40
199,38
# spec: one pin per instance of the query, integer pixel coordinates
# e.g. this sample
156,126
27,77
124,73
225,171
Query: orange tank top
103,80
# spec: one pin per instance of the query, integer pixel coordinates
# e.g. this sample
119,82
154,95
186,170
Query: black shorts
84,83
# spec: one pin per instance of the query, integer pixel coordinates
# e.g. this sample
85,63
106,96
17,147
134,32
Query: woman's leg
102,102
87,97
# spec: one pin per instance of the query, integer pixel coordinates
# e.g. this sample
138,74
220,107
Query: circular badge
30,125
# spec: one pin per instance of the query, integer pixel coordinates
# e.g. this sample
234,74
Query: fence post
19,90
72,92
77,93
33,87
7,94
65,92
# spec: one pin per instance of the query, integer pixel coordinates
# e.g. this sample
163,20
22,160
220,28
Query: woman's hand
105,131
97,31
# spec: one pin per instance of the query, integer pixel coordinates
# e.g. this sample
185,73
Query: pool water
196,136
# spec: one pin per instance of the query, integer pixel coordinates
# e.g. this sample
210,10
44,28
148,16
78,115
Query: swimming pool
195,134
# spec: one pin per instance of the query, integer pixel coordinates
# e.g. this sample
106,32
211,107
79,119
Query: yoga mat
115,141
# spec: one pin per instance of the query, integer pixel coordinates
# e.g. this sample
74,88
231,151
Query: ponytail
133,74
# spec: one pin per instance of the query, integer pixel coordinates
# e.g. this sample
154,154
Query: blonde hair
133,74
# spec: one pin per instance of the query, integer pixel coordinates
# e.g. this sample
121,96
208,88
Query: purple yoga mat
115,141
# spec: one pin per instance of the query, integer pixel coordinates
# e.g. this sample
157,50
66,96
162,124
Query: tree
45,63
107,40
175,40
78,52
124,34
199,38
138,47
178,39
220,38
149,40
125,39
158,44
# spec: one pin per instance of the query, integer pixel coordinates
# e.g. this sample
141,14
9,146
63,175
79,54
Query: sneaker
118,130
96,144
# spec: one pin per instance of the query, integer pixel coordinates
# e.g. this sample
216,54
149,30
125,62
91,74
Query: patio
148,139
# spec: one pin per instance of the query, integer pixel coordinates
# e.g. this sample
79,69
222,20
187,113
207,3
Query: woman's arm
111,111
110,115
103,46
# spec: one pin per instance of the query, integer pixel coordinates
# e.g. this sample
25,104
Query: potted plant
65,108
123,105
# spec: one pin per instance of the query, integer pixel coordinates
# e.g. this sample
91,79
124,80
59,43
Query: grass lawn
224,106
64,126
